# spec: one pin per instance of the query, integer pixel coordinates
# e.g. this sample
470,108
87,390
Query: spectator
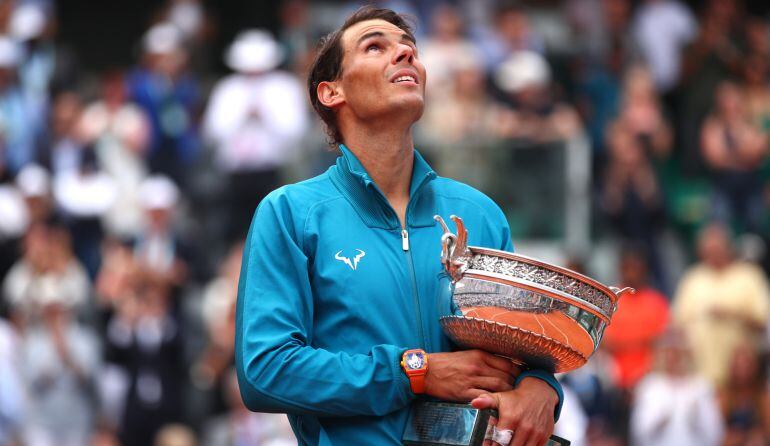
641,114
84,195
20,123
115,287
599,27
461,124
639,321
103,437
745,400
756,91
34,183
536,114
160,253
599,74
13,223
169,95
119,132
446,50
218,313
713,57
632,196
11,385
297,34
65,147
675,406
175,435
734,149
195,24
144,338
721,303
239,426
512,32
47,263
47,65
117,274
255,119
594,386
757,36
662,28
61,360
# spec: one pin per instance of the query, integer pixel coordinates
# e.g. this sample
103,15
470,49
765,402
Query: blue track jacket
332,291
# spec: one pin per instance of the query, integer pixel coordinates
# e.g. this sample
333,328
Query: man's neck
388,157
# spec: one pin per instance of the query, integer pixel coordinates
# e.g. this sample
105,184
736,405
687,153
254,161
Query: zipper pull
404,240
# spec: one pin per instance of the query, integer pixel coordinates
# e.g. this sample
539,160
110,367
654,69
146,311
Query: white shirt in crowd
256,121
671,411
661,29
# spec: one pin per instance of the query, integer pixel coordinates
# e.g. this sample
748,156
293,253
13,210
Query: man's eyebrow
404,37
368,35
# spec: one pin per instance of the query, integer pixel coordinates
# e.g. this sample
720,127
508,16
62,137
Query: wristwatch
415,365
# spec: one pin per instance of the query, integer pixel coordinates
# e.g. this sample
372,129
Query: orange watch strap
417,382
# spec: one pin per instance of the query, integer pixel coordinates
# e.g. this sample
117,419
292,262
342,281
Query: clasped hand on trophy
527,412
464,375
487,381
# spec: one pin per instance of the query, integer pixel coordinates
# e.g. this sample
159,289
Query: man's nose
404,52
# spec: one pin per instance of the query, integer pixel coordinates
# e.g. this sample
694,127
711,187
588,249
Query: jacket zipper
415,295
410,263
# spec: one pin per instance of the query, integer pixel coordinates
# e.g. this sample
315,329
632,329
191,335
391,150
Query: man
340,272
255,118
721,303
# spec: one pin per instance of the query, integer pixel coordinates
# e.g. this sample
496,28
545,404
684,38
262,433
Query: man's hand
527,410
463,376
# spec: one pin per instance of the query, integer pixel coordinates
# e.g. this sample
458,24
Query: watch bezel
424,360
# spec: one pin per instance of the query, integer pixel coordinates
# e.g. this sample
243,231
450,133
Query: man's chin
410,106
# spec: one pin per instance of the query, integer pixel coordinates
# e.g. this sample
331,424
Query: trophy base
433,423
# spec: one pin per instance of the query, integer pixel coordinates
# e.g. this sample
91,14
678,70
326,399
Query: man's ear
330,94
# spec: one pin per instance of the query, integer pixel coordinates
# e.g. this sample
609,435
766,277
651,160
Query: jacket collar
351,178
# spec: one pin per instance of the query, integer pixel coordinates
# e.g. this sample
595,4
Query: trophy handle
454,248
619,292
462,237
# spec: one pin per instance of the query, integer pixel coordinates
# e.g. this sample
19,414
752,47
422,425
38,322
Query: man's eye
373,46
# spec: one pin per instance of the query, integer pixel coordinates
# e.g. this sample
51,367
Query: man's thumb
485,401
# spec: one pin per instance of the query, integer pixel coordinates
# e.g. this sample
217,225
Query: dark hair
327,65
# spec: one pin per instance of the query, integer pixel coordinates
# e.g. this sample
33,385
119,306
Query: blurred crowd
125,196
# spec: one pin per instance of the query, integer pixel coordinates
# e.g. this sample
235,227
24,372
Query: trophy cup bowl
535,313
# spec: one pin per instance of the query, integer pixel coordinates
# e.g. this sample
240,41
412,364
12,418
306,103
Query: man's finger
490,428
522,435
473,394
485,401
490,371
509,421
502,364
492,384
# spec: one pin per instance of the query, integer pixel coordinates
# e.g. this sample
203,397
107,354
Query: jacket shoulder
289,206
450,189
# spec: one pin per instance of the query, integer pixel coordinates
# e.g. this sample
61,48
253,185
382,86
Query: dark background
106,34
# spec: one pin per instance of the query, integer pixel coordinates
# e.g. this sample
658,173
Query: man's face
381,73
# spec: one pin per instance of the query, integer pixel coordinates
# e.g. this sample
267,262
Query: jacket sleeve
278,368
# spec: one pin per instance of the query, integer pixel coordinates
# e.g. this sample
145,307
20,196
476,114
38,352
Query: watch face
415,360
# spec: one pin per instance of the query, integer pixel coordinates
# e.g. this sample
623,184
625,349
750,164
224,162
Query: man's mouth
404,75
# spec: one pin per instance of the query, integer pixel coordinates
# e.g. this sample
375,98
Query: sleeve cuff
551,381
402,381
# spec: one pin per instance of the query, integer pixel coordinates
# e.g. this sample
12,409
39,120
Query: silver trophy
537,314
